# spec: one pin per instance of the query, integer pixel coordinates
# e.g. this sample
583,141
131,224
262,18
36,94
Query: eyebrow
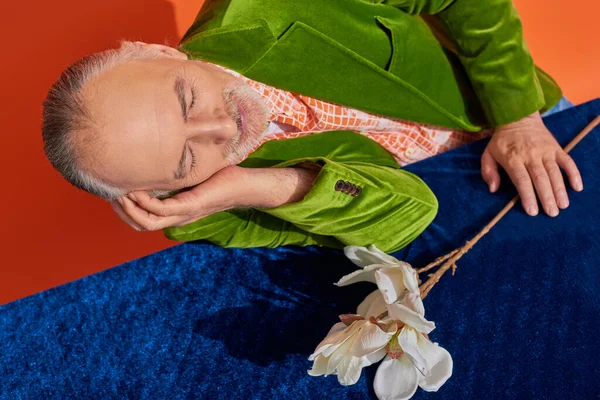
181,171
179,88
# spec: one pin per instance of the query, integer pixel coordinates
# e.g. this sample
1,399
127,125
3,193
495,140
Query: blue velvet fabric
520,317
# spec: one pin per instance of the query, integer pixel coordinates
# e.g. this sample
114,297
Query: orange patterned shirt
407,141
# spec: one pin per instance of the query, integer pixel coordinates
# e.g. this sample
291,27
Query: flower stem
437,262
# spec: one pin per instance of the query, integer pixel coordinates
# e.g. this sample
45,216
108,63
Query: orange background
53,233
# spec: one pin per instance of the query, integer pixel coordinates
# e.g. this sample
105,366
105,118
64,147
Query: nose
215,129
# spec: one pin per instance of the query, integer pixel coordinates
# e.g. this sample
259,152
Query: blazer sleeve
394,206
489,38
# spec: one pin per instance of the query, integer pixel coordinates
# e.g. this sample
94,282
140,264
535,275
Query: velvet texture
393,208
380,57
197,321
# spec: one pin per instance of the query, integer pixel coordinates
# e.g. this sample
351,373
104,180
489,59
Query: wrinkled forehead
128,105
126,90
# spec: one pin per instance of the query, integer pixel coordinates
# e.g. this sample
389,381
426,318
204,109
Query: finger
557,182
147,220
568,165
543,188
163,208
520,178
118,208
489,171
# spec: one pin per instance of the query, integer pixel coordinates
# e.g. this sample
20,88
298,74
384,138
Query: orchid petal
349,370
348,319
340,326
440,365
378,307
372,306
334,340
407,339
370,339
395,379
385,258
319,366
399,312
363,256
365,305
390,282
362,275
413,302
338,355
375,357
347,336
410,280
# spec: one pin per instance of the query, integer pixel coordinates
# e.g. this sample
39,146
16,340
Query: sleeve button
356,191
348,188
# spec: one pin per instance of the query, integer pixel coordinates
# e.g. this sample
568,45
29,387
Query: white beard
257,114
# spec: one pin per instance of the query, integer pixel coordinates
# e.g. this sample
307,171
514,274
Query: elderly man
356,88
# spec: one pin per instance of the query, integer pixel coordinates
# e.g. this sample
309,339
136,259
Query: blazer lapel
233,46
305,61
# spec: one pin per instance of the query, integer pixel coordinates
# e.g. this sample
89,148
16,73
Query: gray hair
65,113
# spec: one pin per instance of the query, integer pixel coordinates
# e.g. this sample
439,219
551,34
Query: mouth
246,108
243,128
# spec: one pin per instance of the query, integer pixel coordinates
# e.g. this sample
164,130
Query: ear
166,50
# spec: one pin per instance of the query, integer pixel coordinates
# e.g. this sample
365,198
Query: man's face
153,117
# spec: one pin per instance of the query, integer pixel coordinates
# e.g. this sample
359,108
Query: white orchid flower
412,360
348,349
393,277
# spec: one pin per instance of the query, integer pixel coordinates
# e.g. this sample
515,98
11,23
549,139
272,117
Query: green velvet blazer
461,64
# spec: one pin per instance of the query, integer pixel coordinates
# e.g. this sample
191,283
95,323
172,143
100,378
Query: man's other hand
533,159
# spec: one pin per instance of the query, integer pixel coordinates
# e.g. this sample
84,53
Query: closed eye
193,159
193,99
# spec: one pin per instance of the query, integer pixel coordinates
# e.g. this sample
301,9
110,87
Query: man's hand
532,158
229,188
143,212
